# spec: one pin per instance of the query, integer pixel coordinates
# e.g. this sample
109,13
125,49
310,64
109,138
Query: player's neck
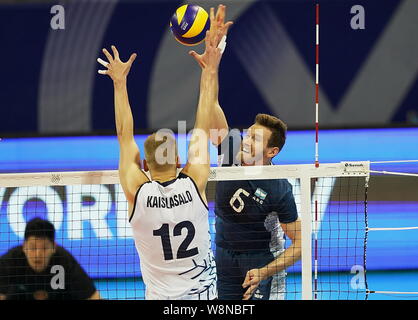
267,162
163,176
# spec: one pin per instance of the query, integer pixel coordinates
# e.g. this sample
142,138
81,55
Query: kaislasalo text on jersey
171,202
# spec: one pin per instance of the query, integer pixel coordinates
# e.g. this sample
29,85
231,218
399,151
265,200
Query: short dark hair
277,127
40,228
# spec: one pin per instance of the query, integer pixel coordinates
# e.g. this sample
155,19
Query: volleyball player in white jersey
169,213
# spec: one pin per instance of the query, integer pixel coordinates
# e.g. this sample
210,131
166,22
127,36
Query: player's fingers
102,71
197,58
194,55
108,55
249,293
115,52
220,16
102,62
227,26
213,27
212,14
207,38
246,282
132,58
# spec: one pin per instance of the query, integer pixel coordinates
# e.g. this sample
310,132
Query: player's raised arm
198,162
130,175
220,29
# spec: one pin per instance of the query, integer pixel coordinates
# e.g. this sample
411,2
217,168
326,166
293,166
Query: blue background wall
52,85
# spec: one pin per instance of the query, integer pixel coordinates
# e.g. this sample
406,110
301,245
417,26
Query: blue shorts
232,266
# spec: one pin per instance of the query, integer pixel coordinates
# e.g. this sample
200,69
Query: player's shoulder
186,180
63,255
13,253
277,188
277,184
283,183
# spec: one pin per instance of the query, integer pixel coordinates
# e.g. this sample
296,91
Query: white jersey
171,231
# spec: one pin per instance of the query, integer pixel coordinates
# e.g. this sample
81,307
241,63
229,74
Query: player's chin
245,159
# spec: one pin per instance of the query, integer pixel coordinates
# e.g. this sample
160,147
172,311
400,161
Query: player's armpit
130,174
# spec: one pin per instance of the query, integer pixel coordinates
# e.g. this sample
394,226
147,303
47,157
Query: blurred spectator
42,270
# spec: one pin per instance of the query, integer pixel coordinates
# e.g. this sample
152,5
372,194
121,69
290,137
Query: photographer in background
27,271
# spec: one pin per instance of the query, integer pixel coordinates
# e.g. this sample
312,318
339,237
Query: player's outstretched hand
252,280
116,69
213,53
218,28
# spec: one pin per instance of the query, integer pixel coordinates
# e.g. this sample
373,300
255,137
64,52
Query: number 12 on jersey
183,251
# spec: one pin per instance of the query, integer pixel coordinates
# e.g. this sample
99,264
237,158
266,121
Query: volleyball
189,24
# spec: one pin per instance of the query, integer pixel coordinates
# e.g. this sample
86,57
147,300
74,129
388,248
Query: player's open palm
116,69
218,30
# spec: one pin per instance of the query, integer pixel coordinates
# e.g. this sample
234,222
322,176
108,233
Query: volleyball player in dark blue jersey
252,217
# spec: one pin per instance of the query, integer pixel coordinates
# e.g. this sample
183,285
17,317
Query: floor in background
331,286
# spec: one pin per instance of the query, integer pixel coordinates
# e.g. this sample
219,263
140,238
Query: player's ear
273,152
146,169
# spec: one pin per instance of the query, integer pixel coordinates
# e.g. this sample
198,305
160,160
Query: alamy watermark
248,150
358,21
58,280
58,18
358,282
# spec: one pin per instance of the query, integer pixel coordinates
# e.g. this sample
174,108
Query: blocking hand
116,69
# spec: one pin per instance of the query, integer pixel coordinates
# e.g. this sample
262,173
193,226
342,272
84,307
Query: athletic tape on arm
222,44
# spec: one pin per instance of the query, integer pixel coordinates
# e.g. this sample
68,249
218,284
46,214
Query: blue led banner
91,220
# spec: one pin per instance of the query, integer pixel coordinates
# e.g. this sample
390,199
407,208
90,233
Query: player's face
254,146
38,252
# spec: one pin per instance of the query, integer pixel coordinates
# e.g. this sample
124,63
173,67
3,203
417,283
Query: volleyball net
344,209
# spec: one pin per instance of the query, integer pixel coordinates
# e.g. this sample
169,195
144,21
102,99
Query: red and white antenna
316,150
317,87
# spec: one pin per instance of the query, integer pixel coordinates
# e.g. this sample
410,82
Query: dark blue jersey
249,212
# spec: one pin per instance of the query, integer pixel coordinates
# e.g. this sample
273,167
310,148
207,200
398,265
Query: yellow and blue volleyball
189,24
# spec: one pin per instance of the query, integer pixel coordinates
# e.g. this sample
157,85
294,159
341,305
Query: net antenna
316,224
316,85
